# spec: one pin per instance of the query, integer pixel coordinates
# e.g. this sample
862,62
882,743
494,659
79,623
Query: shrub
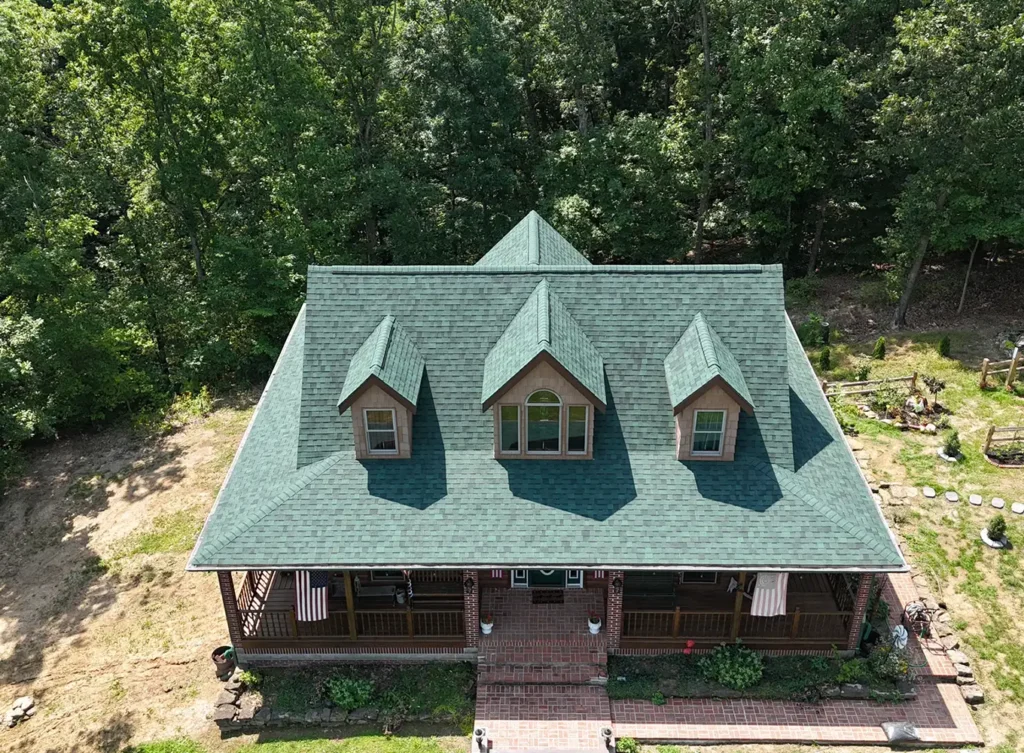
627,745
825,359
812,333
997,528
658,699
879,352
733,666
951,443
935,386
888,663
888,400
854,670
863,373
348,692
802,291
944,347
251,678
846,415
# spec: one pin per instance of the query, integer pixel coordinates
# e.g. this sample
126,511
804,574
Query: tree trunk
372,239
900,318
819,227
705,188
582,116
967,277
197,254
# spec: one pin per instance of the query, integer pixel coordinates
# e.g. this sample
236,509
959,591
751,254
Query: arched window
543,422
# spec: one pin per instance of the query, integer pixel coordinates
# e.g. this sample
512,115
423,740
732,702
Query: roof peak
532,243
380,350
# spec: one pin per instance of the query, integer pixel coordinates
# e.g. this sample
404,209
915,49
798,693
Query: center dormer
543,380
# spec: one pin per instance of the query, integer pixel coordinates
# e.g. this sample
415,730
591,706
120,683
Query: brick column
471,608
860,607
227,595
613,618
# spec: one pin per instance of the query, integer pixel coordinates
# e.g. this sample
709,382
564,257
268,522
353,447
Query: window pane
706,442
381,441
710,420
577,440
510,428
379,420
543,396
542,428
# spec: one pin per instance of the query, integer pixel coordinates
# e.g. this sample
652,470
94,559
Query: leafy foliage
627,745
878,352
734,666
825,359
951,443
348,692
944,347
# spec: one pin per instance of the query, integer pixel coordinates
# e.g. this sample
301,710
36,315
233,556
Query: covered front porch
667,609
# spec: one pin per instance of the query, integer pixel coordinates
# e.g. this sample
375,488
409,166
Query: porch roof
296,497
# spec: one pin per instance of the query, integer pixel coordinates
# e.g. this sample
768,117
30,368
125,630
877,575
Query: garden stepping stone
975,499
928,492
998,503
1018,507
952,497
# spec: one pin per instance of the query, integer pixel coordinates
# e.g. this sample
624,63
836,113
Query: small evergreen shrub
879,352
944,346
812,332
825,359
997,528
733,666
951,443
348,692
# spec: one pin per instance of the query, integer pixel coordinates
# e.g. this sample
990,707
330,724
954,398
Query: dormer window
577,439
381,434
543,423
509,429
708,432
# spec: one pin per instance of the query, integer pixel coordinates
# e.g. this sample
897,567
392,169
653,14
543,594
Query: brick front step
493,654
542,674
533,718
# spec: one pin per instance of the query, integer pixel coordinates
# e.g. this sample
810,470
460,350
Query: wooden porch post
227,595
350,605
860,607
737,607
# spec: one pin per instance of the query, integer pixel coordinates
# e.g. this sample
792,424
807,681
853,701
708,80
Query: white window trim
721,435
586,430
519,429
520,579
366,430
561,414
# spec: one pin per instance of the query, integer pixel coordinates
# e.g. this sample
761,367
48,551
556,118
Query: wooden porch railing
370,624
665,624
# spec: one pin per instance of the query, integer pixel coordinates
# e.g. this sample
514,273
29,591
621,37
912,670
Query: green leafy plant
734,666
879,352
951,443
944,347
997,528
846,415
348,692
658,699
853,670
888,663
888,400
627,745
825,359
251,678
863,373
813,332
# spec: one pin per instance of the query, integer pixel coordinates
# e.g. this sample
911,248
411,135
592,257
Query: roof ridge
543,314
533,238
380,349
707,347
530,269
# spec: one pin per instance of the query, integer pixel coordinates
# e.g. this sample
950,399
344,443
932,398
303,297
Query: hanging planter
594,623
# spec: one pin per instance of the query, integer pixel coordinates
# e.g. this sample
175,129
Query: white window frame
586,430
574,579
366,430
721,435
528,405
520,579
519,429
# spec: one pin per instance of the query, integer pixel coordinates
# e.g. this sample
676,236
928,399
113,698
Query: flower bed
801,678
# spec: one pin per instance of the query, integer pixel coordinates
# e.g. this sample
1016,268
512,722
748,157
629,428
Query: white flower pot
595,627
486,627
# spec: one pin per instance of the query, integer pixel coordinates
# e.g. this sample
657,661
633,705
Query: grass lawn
362,744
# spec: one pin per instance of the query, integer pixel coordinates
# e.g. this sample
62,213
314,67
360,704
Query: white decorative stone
928,492
994,543
952,497
998,503
975,499
1018,507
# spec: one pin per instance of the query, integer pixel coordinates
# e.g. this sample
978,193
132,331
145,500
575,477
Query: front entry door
547,579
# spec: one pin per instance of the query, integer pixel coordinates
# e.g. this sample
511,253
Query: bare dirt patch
98,620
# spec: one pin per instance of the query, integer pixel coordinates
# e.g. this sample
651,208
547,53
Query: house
535,438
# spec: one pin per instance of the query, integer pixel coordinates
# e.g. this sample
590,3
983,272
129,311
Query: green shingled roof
543,325
700,358
532,242
297,497
387,355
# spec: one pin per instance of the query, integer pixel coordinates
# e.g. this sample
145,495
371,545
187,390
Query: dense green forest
168,168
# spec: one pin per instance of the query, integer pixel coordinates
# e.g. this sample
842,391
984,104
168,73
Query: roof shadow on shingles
809,436
594,489
422,479
749,481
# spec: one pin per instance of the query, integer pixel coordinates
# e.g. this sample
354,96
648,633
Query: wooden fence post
1012,373
737,608
913,383
988,440
984,372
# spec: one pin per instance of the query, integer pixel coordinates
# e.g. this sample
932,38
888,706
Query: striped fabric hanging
769,595
311,595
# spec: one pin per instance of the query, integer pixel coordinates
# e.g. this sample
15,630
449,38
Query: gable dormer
381,387
543,380
707,390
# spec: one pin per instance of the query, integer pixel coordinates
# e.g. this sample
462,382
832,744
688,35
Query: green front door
547,579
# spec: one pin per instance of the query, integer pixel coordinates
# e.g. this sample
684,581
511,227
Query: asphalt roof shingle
389,355
699,358
297,497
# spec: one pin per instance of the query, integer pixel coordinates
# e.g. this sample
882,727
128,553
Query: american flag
311,595
769,595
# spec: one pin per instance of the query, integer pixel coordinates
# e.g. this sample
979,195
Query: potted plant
486,623
594,623
995,534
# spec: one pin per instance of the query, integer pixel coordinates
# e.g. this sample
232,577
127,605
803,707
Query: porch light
469,583
617,584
